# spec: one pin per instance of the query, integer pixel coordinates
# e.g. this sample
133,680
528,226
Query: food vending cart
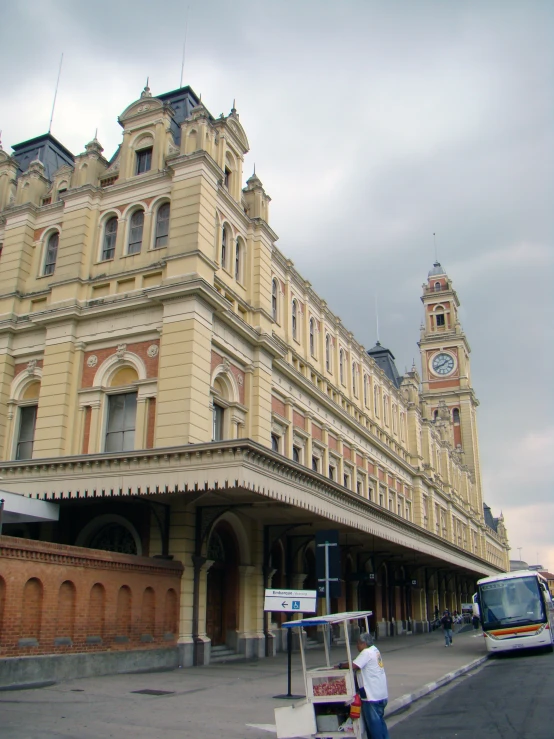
324,712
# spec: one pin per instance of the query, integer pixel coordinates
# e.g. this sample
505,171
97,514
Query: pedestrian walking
446,623
375,692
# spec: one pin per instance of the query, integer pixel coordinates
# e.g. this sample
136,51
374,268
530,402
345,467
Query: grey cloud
372,126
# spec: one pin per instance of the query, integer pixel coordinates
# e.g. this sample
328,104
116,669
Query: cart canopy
332,618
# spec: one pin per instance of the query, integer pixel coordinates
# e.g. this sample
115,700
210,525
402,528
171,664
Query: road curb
399,704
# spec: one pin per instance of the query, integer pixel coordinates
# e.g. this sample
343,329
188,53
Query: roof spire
146,92
254,162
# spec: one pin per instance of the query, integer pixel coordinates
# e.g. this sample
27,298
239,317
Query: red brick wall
277,406
298,420
332,442
346,452
317,432
86,430
23,366
63,599
139,348
151,423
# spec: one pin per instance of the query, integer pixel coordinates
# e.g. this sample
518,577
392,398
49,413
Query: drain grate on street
150,691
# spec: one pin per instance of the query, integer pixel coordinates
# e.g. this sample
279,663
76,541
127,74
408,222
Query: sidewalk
214,702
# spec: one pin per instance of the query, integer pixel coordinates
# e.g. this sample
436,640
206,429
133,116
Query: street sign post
290,601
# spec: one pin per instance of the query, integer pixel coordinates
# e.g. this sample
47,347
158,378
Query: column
250,641
57,407
184,373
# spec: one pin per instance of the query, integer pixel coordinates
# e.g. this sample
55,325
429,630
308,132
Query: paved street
215,702
510,698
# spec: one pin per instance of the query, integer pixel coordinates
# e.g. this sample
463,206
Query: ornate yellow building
168,377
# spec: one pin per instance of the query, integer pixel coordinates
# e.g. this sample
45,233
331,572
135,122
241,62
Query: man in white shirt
370,664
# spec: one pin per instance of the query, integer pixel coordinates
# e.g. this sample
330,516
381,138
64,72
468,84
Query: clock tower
446,371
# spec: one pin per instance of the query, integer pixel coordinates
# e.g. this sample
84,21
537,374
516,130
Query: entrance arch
222,585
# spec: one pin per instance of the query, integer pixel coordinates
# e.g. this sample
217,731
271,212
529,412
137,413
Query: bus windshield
510,602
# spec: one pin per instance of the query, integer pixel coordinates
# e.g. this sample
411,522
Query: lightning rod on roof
377,318
435,245
184,46
55,94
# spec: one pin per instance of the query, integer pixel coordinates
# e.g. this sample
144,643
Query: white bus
515,609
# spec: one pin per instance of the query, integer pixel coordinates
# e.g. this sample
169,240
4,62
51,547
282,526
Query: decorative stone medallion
152,350
92,361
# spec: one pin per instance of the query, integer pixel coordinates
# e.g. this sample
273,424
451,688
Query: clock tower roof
436,270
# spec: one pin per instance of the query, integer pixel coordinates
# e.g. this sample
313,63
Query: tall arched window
110,236
327,352
354,388
136,228
238,259
456,415
274,298
366,383
294,320
341,366
223,247
162,226
312,337
51,254
376,399
437,287
120,428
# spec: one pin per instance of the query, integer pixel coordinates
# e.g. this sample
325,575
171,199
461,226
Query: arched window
366,383
223,247
294,320
327,352
376,399
437,287
312,337
456,415
144,160
341,367
354,388
218,422
238,260
120,429
110,236
435,414
162,226
51,253
385,410
26,434
274,299
136,228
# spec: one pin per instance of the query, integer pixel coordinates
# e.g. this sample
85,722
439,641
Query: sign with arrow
290,601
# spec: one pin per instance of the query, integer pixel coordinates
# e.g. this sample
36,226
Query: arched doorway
222,585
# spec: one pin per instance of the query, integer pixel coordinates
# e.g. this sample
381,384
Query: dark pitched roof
491,522
385,360
48,149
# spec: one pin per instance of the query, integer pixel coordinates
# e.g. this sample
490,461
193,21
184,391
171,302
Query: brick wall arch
31,609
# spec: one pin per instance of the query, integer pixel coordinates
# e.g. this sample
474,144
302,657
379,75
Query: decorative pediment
237,130
65,170
114,166
140,107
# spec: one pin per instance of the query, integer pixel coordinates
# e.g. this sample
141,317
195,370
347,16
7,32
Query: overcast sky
372,125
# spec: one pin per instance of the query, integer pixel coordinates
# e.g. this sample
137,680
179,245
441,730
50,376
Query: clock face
443,364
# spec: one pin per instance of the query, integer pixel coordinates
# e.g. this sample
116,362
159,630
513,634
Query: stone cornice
221,466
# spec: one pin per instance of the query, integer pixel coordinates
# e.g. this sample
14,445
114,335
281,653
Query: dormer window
61,193
144,160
